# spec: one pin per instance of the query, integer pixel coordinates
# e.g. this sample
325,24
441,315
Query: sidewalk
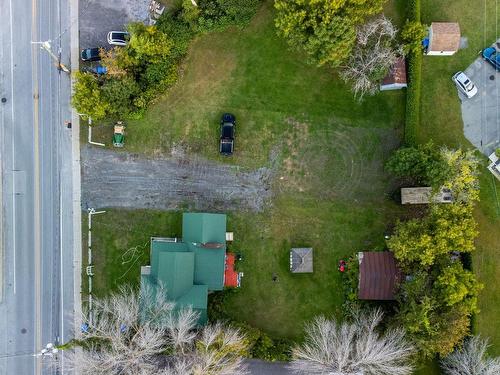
77,211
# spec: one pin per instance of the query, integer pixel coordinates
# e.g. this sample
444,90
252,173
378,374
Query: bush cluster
149,64
439,296
260,344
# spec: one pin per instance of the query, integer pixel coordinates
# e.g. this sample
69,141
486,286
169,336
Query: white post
89,120
91,211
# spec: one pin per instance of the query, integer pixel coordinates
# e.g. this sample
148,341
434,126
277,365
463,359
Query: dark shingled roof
397,73
378,275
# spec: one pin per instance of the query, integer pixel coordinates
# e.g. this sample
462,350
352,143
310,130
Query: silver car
464,84
118,38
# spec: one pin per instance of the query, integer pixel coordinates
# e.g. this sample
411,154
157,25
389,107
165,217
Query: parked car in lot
90,54
227,125
464,84
118,38
490,54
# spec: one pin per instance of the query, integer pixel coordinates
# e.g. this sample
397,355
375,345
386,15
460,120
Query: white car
118,38
464,84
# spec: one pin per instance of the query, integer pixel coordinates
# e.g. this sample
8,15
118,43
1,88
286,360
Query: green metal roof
201,227
176,272
209,266
187,269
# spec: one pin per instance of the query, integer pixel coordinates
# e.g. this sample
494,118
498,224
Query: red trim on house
230,274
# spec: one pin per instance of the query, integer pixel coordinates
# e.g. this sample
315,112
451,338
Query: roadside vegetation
440,121
149,64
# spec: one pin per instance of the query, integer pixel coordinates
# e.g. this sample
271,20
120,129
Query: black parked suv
90,54
227,124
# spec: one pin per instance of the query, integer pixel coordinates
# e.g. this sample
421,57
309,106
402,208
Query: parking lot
481,114
97,17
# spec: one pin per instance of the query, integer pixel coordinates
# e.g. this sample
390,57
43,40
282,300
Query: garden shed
378,275
423,195
444,38
301,260
396,78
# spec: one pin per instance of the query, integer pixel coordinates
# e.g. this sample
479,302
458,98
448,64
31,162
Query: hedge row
412,117
413,10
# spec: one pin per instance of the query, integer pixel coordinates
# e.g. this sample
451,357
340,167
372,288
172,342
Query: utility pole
47,47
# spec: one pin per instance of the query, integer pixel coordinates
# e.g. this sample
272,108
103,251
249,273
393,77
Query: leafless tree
374,54
471,359
132,330
352,348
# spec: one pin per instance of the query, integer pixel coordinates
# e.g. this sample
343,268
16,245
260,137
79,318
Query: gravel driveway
119,179
481,114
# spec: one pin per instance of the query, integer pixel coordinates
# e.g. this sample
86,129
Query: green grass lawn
441,121
252,73
330,191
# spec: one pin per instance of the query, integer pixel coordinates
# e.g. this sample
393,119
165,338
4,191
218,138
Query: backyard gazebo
301,260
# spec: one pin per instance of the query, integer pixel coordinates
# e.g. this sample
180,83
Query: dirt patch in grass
119,179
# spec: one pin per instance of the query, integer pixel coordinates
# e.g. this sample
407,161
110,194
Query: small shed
301,260
444,38
396,78
378,276
423,195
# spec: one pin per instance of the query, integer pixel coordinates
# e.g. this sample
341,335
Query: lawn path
124,180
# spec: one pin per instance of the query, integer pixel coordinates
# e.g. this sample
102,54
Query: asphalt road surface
120,179
481,113
36,247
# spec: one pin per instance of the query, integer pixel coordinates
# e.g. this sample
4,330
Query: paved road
36,278
120,179
258,367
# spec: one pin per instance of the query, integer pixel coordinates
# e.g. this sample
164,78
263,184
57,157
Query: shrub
350,279
412,35
219,14
260,344
88,99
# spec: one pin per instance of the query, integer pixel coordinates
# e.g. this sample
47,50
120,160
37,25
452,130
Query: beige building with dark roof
444,38
396,78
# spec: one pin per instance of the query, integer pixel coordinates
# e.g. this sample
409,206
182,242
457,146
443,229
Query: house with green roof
190,267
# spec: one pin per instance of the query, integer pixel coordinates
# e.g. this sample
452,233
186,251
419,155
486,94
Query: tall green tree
425,164
147,43
412,35
324,29
434,326
455,286
120,94
87,98
448,227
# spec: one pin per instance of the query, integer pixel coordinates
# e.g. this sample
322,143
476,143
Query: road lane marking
37,237
13,143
